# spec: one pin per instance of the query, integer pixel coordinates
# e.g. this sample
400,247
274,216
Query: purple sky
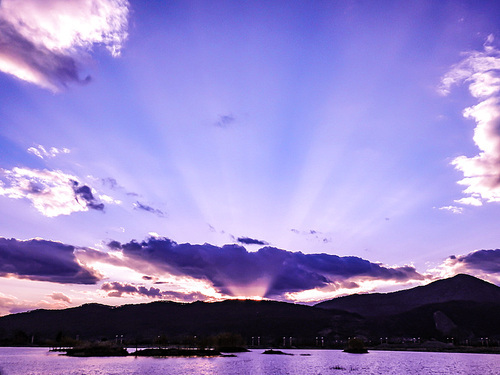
201,150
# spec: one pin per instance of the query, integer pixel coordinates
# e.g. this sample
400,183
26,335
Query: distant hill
458,288
248,318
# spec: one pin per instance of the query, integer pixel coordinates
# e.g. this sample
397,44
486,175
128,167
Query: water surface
39,361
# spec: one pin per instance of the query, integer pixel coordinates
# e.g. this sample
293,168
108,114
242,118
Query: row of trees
227,339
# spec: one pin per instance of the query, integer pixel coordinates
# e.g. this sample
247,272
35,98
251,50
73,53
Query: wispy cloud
40,41
44,153
232,270
144,207
452,209
43,260
313,234
481,71
52,193
60,297
251,241
225,121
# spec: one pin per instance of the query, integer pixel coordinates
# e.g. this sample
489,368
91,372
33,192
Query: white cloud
43,153
452,209
481,70
470,201
40,39
53,193
107,199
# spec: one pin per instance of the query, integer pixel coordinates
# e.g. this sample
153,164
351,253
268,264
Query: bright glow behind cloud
484,264
39,39
62,25
52,193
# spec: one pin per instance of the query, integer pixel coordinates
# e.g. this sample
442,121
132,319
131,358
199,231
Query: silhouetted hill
462,320
147,321
458,288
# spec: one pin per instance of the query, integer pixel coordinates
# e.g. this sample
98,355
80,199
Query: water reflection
35,361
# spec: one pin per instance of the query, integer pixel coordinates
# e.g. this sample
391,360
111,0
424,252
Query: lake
38,361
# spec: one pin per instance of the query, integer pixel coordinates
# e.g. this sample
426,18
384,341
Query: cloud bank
221,272
233,271
40,41
481,71
43,260
52,193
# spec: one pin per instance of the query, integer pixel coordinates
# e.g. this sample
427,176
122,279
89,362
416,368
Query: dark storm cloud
140,206
251,241
117,289
314,234
53,70
85,193
43,260
114,245
232,265
483,260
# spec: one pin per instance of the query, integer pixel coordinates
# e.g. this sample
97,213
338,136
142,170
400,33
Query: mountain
458,288
462,320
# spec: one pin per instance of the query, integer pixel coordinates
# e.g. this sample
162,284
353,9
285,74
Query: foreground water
38,361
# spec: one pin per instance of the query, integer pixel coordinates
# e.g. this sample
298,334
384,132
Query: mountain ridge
461,287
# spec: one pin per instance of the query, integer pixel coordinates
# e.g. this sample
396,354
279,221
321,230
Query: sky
206,150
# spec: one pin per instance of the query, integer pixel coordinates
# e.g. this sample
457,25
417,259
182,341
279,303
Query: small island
355,346
272,351
97,350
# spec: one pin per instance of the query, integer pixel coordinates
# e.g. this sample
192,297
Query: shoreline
456,349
